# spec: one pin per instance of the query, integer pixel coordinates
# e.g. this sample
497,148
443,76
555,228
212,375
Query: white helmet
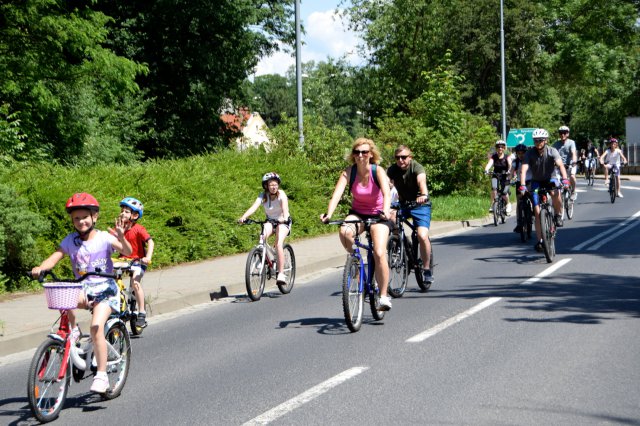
540,134
500,142
563,129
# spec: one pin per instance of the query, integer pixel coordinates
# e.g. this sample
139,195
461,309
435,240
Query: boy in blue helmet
131,209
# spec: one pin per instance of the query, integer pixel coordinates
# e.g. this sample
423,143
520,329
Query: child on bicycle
613,157
90,250
520,150
276,207
131,210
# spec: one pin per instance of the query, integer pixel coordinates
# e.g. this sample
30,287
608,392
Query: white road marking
480,306
606,236
303,398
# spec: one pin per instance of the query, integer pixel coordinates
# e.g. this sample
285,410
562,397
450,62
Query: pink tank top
366,199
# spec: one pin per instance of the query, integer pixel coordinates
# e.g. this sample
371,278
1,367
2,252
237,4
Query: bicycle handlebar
49,272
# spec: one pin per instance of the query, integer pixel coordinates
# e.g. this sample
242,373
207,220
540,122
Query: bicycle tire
255,275
118,337
529,218
494,206
613,188
374,297
569,207
46,394
398,267
503,210
352,295
289,270
522,220
135,330
546,224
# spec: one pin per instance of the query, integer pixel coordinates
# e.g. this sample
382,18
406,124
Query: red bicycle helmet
82,200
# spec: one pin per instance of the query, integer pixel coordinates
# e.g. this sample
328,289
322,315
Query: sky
325,35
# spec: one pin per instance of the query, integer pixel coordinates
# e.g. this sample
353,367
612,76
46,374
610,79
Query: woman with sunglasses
371,198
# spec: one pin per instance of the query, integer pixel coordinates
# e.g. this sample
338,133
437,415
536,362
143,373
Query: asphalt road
501,338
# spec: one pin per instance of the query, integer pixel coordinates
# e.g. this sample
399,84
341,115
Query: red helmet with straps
82,200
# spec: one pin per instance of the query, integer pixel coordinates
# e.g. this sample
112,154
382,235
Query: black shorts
388,223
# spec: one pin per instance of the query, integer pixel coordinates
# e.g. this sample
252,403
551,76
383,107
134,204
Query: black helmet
520,148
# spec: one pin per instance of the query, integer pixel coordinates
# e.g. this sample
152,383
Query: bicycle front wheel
118,359
496,213
289,270
352,295
255,275
374,297
46,393
547,226
398,268
569,207
613,188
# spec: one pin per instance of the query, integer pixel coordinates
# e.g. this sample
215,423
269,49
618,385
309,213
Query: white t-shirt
272,208
612,157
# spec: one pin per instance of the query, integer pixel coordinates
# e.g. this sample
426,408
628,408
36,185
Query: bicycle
359,280
567,203
56,360
547,225
614,172
525,216
262,265
590,170
403,254
499,206
128,299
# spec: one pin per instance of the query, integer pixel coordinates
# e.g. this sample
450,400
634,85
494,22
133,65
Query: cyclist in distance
542,160
410,179
142,245
276,207
90,250
591,155
371,198
501,163
516,166
569,154
613,157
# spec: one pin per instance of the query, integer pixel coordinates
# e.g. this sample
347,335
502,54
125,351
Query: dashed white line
480,306
303,398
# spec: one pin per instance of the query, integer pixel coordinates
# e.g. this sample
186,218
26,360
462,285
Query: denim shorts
550,185
421,215
103,291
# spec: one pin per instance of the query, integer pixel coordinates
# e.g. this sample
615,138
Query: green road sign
518,136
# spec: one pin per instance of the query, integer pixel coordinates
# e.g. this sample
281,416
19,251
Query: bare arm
285,205
386,191
251,210
560,166
148,252
337,194
49,263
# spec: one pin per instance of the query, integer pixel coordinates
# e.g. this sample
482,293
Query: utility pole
504,91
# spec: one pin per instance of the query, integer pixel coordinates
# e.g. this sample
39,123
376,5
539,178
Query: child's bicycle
403,255
358,279
128,301
262,265
57,360
499,206
614,172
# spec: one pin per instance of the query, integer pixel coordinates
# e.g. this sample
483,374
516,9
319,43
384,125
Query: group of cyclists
548,167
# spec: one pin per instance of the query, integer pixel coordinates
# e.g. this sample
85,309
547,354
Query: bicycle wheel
546,224
496,213
118,358
398,268
255,275
613,188
569,206
424,285
46,393
503,210
374,298
352,296
289,270
528,218
522,220
135,330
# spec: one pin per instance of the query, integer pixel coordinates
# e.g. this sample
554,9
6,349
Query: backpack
354,172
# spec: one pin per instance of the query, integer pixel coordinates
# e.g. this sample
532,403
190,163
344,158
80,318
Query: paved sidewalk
24,321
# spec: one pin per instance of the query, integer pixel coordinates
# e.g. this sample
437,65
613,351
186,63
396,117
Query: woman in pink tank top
371,198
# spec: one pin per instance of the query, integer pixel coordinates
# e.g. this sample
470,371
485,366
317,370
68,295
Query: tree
272,96
68,89
199,52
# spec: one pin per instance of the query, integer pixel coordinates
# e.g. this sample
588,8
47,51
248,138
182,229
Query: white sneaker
74,335
100,383
606,182
508,209
620,195
574,196
491,209
281,278
384,303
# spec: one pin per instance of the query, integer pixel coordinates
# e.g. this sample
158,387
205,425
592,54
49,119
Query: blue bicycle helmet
134,204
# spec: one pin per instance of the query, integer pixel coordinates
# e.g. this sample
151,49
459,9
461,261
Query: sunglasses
402,157
564,132
539,140
359,152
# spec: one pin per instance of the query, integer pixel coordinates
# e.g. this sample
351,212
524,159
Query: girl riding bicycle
276,207
613,157
501,163
90,250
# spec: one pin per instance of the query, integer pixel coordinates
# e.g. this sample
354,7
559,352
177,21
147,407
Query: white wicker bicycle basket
62,295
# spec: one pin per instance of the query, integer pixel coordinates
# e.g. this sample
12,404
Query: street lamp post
299,76
504,101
